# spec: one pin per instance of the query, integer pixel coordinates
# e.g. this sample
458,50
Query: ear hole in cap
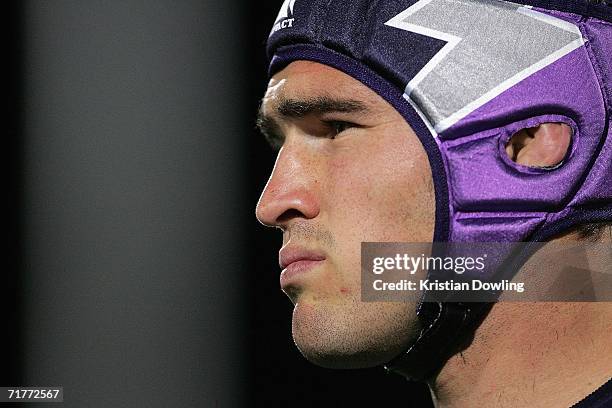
543,146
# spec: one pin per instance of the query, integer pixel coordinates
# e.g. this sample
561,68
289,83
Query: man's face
350,170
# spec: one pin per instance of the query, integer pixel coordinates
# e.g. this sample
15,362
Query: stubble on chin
353,334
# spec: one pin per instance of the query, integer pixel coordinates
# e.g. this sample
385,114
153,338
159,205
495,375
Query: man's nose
291,191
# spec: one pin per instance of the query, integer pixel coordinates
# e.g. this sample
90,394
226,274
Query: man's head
350,169
384,138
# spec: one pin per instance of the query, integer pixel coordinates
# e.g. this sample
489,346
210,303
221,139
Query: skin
335,185
553,358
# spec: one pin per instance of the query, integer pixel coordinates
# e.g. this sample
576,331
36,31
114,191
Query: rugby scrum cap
466,75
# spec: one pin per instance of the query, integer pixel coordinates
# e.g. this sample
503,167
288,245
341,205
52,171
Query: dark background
135,271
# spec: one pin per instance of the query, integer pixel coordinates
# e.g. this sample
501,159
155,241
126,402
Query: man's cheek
365,216
351,172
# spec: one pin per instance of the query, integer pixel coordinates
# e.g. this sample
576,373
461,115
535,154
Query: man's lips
294,261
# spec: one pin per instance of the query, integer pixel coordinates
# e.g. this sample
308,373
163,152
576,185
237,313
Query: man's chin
327,359
330,337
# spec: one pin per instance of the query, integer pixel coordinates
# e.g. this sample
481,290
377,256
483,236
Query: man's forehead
308,80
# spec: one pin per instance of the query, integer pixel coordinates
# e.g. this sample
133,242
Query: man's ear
544,145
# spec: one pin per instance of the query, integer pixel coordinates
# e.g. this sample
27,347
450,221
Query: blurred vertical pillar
133,206
10,170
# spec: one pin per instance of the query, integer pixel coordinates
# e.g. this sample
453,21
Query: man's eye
338,126
274,140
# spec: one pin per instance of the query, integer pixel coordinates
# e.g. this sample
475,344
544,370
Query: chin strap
448,326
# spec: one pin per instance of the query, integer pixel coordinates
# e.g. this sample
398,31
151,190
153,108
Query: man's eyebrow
297,108
289,108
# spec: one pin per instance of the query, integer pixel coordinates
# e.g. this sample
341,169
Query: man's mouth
295,261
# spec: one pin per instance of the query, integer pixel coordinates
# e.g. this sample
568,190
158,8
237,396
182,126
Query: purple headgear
466,75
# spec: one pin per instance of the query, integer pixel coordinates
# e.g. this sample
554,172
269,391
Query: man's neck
531,354
537,354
